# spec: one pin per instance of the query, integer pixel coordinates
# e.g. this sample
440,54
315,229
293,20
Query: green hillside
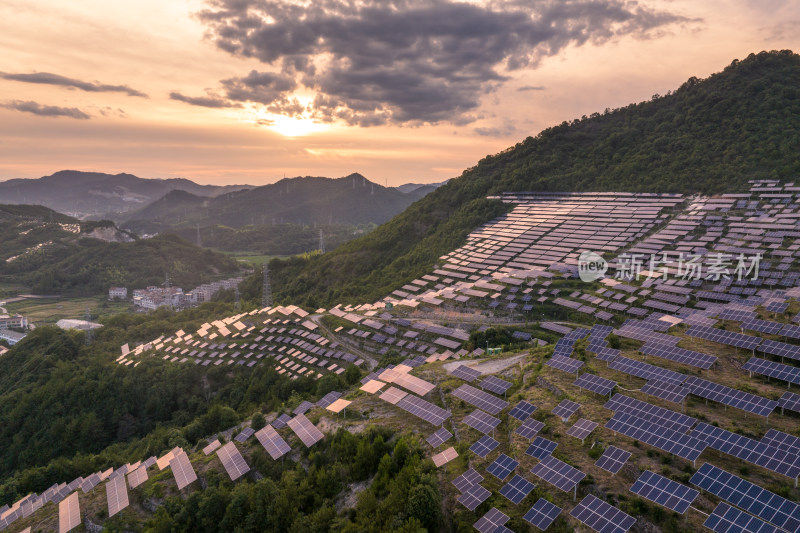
710,135
50,252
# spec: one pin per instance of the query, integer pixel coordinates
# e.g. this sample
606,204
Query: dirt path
355,351
487,367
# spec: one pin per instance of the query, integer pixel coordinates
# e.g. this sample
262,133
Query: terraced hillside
645,398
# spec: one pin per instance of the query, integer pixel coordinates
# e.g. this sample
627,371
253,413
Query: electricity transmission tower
266,294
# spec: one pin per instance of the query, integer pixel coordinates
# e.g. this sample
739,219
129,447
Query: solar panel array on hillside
232,461
466,373
613,459
727,519
601,516
656,435
69,513
116,495
752,451
566,409
273,443
491,522
541,448
423,409
529,428
466,480
665,492
481,421
305,430
621,403
182,470
790,374
522,410
679,355
484,446
480,399
517,489
438,437
646,370
750,497
542,514
558,473
732,397
595,383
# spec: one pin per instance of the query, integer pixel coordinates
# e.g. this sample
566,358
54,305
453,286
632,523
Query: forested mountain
708,136
351,200
50,252
97,193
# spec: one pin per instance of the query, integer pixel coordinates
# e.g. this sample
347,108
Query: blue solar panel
541,447
467,479
484,446
665,492
613,459
620,403
727,519
657,436
516,489
558,473
481,421
745,401
750,497
502,467
566,409
595,383
522,410
542,514
529,428
601,516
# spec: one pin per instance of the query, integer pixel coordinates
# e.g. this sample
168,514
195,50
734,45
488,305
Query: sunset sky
240,91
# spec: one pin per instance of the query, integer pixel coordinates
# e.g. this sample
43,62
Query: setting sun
293,127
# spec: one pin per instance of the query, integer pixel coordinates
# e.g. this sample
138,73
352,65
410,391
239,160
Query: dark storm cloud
45,110
47,78
407,61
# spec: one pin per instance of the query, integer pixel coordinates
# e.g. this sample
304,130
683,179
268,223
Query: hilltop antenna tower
89,330
237,304
321,242
266,294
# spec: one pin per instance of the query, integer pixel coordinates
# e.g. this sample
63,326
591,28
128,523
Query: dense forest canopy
708,136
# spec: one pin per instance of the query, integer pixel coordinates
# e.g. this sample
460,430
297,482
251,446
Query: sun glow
294,127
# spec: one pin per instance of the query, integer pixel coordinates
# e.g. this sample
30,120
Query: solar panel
665,492
467,479
601,516
529,428
566,409
765,367
657,436
750,497
281,421
392,395
484,446
620,403
328,399
305,430
790,401
582,428
245,434
491,521
137,477
679,355
182,470
208,450
613,459
595,383
232,461
563,363
273,443
516,489
721,336
727,519
608,354
502,467
303,408
69,513
474,496
444,457
495,385
763,326
423,409
732,397
480,399
522,410
665,391
479,420
116,495
752,451
438,437
781,349
542,514
541,447
558,473
466,373
646,371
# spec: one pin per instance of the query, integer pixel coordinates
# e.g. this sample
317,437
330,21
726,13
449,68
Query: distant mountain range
94,194
351,200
